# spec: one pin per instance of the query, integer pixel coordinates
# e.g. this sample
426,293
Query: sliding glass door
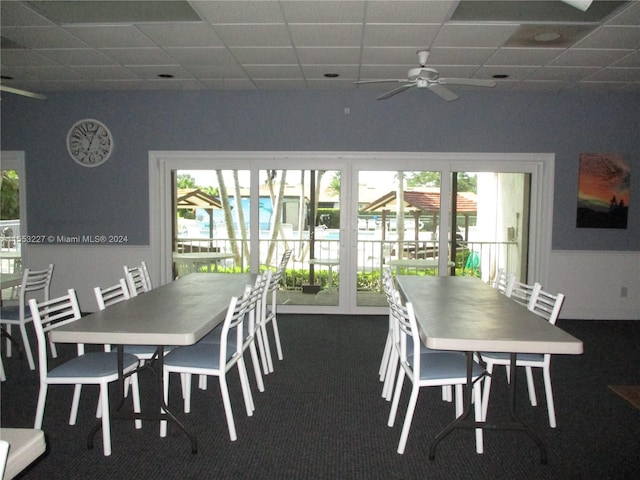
432,214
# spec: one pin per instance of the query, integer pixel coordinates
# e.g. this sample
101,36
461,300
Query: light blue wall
66,199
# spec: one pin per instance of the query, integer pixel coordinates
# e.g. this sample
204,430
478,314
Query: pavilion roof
427,201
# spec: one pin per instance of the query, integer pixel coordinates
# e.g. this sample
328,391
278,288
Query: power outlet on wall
624,292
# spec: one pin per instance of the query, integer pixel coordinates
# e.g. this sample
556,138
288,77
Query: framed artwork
603,190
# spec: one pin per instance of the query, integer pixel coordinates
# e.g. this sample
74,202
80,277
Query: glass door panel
398,218
211,221
10,231
300,211
492,233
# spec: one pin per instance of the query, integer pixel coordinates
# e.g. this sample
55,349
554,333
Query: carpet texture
321,416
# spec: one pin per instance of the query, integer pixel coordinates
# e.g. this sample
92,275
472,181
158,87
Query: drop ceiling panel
292,44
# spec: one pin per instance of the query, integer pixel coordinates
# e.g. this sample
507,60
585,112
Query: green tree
466,182
186,181
9,198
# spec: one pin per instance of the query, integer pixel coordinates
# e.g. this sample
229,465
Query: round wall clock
89,142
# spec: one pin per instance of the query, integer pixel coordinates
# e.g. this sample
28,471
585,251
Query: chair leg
73,415
477,393
396,398
165,394
459,400
392,368
276,335
136,399
531,387
42,398
486,389
246,389
267,348
549,395
385,358
186,390
226,402
27,346
256,366
413,400
106,426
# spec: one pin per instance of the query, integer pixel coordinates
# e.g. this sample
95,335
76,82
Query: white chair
214,359
4,454
33,282
437,368
136,280
97,368
270,310
105,297
521,292
504,281
548,307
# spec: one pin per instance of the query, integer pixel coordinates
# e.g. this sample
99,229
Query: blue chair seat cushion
505,357
199,355
12,312
93,365
444,365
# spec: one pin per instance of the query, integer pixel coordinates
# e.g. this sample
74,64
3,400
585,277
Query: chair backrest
407,340
232,334
285,258
111,295
147,277
546,305
51,314
34,281
136,280
504,281
520,292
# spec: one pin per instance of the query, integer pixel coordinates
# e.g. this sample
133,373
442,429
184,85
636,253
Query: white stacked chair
34,282
96,368
215,359
546,306
427,369
137,279
504,282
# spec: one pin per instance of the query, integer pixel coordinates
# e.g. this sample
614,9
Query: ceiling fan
24,93
425,77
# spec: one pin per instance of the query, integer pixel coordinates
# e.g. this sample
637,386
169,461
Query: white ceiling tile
98,36
326,35
138,56
280,84
239,12
325,11
579,57
20,58
50,73
463,35
407,35
176,84
253,35
615,75
42,37
538,86
630,15
524,56
330,84
629,60
273,71
151,72
16,14
76,56
181,34
201,55
264,55
318,71
390,56
209,72
566,74
459,56
229,84
612,37
383,72
409,11
106,73
329,55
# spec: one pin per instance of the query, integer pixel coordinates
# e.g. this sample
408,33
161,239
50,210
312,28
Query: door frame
541,166
14,160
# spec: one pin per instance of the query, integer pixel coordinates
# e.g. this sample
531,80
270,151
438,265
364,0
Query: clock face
89,143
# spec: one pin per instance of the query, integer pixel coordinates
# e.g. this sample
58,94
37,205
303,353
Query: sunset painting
603,191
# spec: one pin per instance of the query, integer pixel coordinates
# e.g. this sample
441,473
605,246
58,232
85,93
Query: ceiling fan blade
360,82
24,93
476,82
395,91
442,91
